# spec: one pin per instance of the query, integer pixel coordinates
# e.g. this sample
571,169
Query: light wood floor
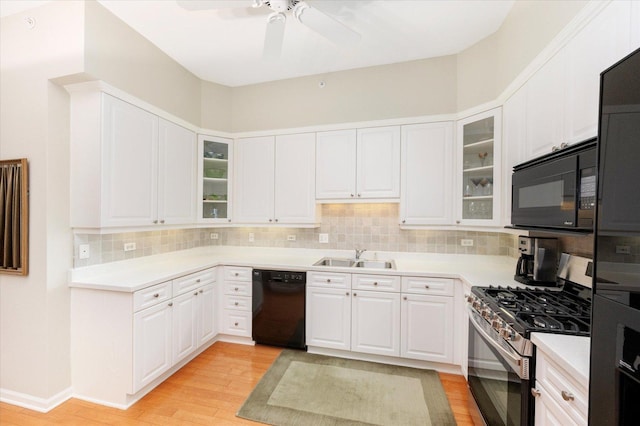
207,391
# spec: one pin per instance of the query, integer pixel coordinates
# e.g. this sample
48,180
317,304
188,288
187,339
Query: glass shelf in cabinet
478,169
478,144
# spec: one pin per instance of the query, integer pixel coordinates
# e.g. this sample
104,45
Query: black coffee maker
538,262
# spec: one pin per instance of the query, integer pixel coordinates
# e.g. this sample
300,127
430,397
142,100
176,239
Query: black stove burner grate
531,310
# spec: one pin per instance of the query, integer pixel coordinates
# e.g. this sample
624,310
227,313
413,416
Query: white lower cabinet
152,346
374,322
560,399
236,313
417,323
121,343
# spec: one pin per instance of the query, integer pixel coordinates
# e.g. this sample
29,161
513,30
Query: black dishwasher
279,308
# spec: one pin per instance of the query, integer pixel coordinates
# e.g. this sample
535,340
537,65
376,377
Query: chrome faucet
359,253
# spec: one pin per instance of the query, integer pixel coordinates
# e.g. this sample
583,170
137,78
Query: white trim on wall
31,402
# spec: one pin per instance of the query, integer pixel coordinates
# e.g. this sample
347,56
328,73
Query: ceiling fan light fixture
257,3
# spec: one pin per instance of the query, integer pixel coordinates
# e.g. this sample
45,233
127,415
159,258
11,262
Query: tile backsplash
371,226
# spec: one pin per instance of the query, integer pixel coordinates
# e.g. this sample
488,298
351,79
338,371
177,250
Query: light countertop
571,352
135,274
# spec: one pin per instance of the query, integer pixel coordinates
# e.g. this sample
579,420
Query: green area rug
307,389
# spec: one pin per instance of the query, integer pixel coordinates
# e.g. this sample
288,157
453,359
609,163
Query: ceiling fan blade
325,25
213,4
274,36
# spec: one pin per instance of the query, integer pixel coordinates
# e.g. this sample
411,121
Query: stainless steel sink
347,263
377,264
334,261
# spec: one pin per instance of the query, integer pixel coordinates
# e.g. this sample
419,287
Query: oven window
496,388
548,194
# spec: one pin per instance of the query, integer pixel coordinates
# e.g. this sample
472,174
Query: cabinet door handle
404,221
347,293
567,396
359,195
458,222
270,220
405,298
155,221
201,291
170,303
229,220
355,294
276,220
236,274
235,323
236,303
328,280
426,286
195,294
535,392
352,195
198,280
156,295
375,283
236,289
162,221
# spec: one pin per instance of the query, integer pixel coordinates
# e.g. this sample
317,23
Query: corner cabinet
129,167
215,172
479,159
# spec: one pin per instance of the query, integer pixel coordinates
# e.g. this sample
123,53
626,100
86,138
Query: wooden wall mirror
14,217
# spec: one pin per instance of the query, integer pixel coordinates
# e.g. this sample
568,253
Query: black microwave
556,191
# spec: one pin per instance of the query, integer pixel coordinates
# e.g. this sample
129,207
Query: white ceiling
225,45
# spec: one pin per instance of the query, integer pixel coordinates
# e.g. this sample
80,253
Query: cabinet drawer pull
236,274
156,295
375,283
276,220
352,195
155,221
198,280
235,324
404,221
567,396
195,294
535,392
359,195
355,294
201,291
170,303
162,221
405,298
328,280
236,289
426,286
236,303
347,293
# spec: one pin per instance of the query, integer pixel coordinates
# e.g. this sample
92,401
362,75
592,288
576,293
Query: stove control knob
487,314
507,334
497,324
470,298
477,305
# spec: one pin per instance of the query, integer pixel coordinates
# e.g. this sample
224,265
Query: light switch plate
83,251
323,238
466,243
129,246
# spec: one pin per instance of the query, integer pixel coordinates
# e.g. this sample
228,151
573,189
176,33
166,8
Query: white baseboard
31,402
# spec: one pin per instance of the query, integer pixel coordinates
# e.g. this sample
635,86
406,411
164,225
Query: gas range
514,312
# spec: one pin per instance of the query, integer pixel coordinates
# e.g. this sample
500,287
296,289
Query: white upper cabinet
562,97
336,164
254,177
129,168
514,134
479,161
214,186
545,107
603,42
378,163
358,164
275,180
176,174
295,178
427,167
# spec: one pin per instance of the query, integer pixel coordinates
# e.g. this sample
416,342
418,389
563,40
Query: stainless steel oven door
498,376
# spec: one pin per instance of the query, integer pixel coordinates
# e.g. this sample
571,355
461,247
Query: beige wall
215,106
408,89
489,66
34,310
115,53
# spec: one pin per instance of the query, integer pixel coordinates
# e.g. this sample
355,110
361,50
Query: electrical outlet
252,237
129,246
291,237
214,235
83,251
323,238
466,243
623,249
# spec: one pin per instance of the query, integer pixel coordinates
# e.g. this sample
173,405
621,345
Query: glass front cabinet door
479,162
215,159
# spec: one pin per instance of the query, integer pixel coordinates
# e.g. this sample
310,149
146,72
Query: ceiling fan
302,11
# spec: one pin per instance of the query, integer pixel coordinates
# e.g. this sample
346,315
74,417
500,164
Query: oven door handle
515,358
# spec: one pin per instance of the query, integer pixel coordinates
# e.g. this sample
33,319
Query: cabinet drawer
375,282
150,296
426,285
235,273
193,281
239,303
237,288
328,279
237,323
562,388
